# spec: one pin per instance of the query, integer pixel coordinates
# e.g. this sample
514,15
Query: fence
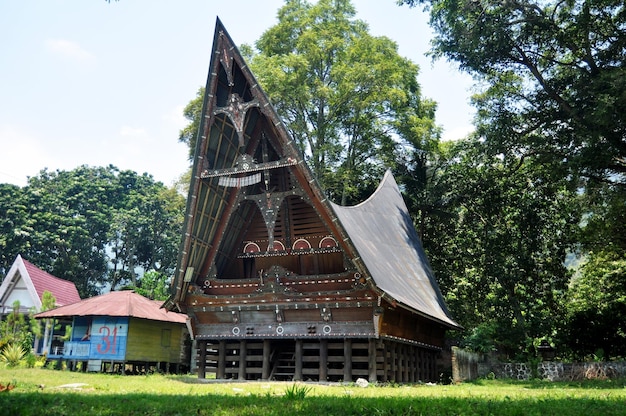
469,366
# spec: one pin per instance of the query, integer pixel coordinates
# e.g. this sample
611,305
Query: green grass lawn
44,392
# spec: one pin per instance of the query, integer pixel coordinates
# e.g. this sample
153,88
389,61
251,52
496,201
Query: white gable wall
17,285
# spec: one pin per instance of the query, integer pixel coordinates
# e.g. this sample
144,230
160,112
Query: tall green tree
553,90
500,252
96,227
15,225
348,98
596,308
555,73
145,230
71,212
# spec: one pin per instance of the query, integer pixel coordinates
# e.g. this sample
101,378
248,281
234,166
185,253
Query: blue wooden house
120,332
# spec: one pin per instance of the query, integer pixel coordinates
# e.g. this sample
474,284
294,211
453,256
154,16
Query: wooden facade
278,281
120,332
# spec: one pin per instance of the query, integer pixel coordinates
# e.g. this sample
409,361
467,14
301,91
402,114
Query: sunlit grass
51,392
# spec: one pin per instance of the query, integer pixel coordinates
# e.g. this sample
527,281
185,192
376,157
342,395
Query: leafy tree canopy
500,251
552,93
597,303
554,72
93,226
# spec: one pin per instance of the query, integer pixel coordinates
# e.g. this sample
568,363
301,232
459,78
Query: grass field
44,392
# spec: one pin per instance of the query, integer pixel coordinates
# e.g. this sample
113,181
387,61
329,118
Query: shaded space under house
279,282
120,332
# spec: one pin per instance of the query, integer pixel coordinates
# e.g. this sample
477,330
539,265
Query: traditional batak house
279,282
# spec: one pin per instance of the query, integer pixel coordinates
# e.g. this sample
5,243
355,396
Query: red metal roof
64,291
122,303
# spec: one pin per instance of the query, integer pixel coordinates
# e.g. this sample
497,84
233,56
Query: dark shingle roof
382,231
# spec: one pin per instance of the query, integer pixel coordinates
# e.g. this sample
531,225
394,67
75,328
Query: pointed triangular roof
238,126
125,303
236,114
27,283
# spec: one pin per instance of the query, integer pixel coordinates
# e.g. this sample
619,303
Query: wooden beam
371,365
265,372
221,360
323,371
347,363
407,363
242,359
385,362
298,371
394,362
202,359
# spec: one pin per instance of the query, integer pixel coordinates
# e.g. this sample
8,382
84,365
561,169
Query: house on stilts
121,332
279,282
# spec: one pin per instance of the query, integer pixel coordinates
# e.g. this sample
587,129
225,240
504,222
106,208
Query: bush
12,355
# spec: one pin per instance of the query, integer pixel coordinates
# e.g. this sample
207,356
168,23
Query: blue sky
97,83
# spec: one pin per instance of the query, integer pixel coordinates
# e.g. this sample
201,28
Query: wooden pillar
393,361
401,364
431,366
385,363
371,364
416,355
407,363
202,359
347,360
265,371
221,360
242,359
298,371
323,371
400,367
413,364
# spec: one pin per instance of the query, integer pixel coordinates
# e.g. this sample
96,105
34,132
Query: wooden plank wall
146,341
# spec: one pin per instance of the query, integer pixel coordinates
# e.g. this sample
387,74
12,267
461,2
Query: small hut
279,282
121,331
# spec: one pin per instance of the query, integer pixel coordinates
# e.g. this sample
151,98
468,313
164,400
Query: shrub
296,392
12,355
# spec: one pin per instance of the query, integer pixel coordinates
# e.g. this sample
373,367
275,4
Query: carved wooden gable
253,204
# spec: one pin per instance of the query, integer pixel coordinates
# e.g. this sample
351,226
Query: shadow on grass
546,385
51,404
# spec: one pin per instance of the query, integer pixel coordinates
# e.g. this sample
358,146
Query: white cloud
68,49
